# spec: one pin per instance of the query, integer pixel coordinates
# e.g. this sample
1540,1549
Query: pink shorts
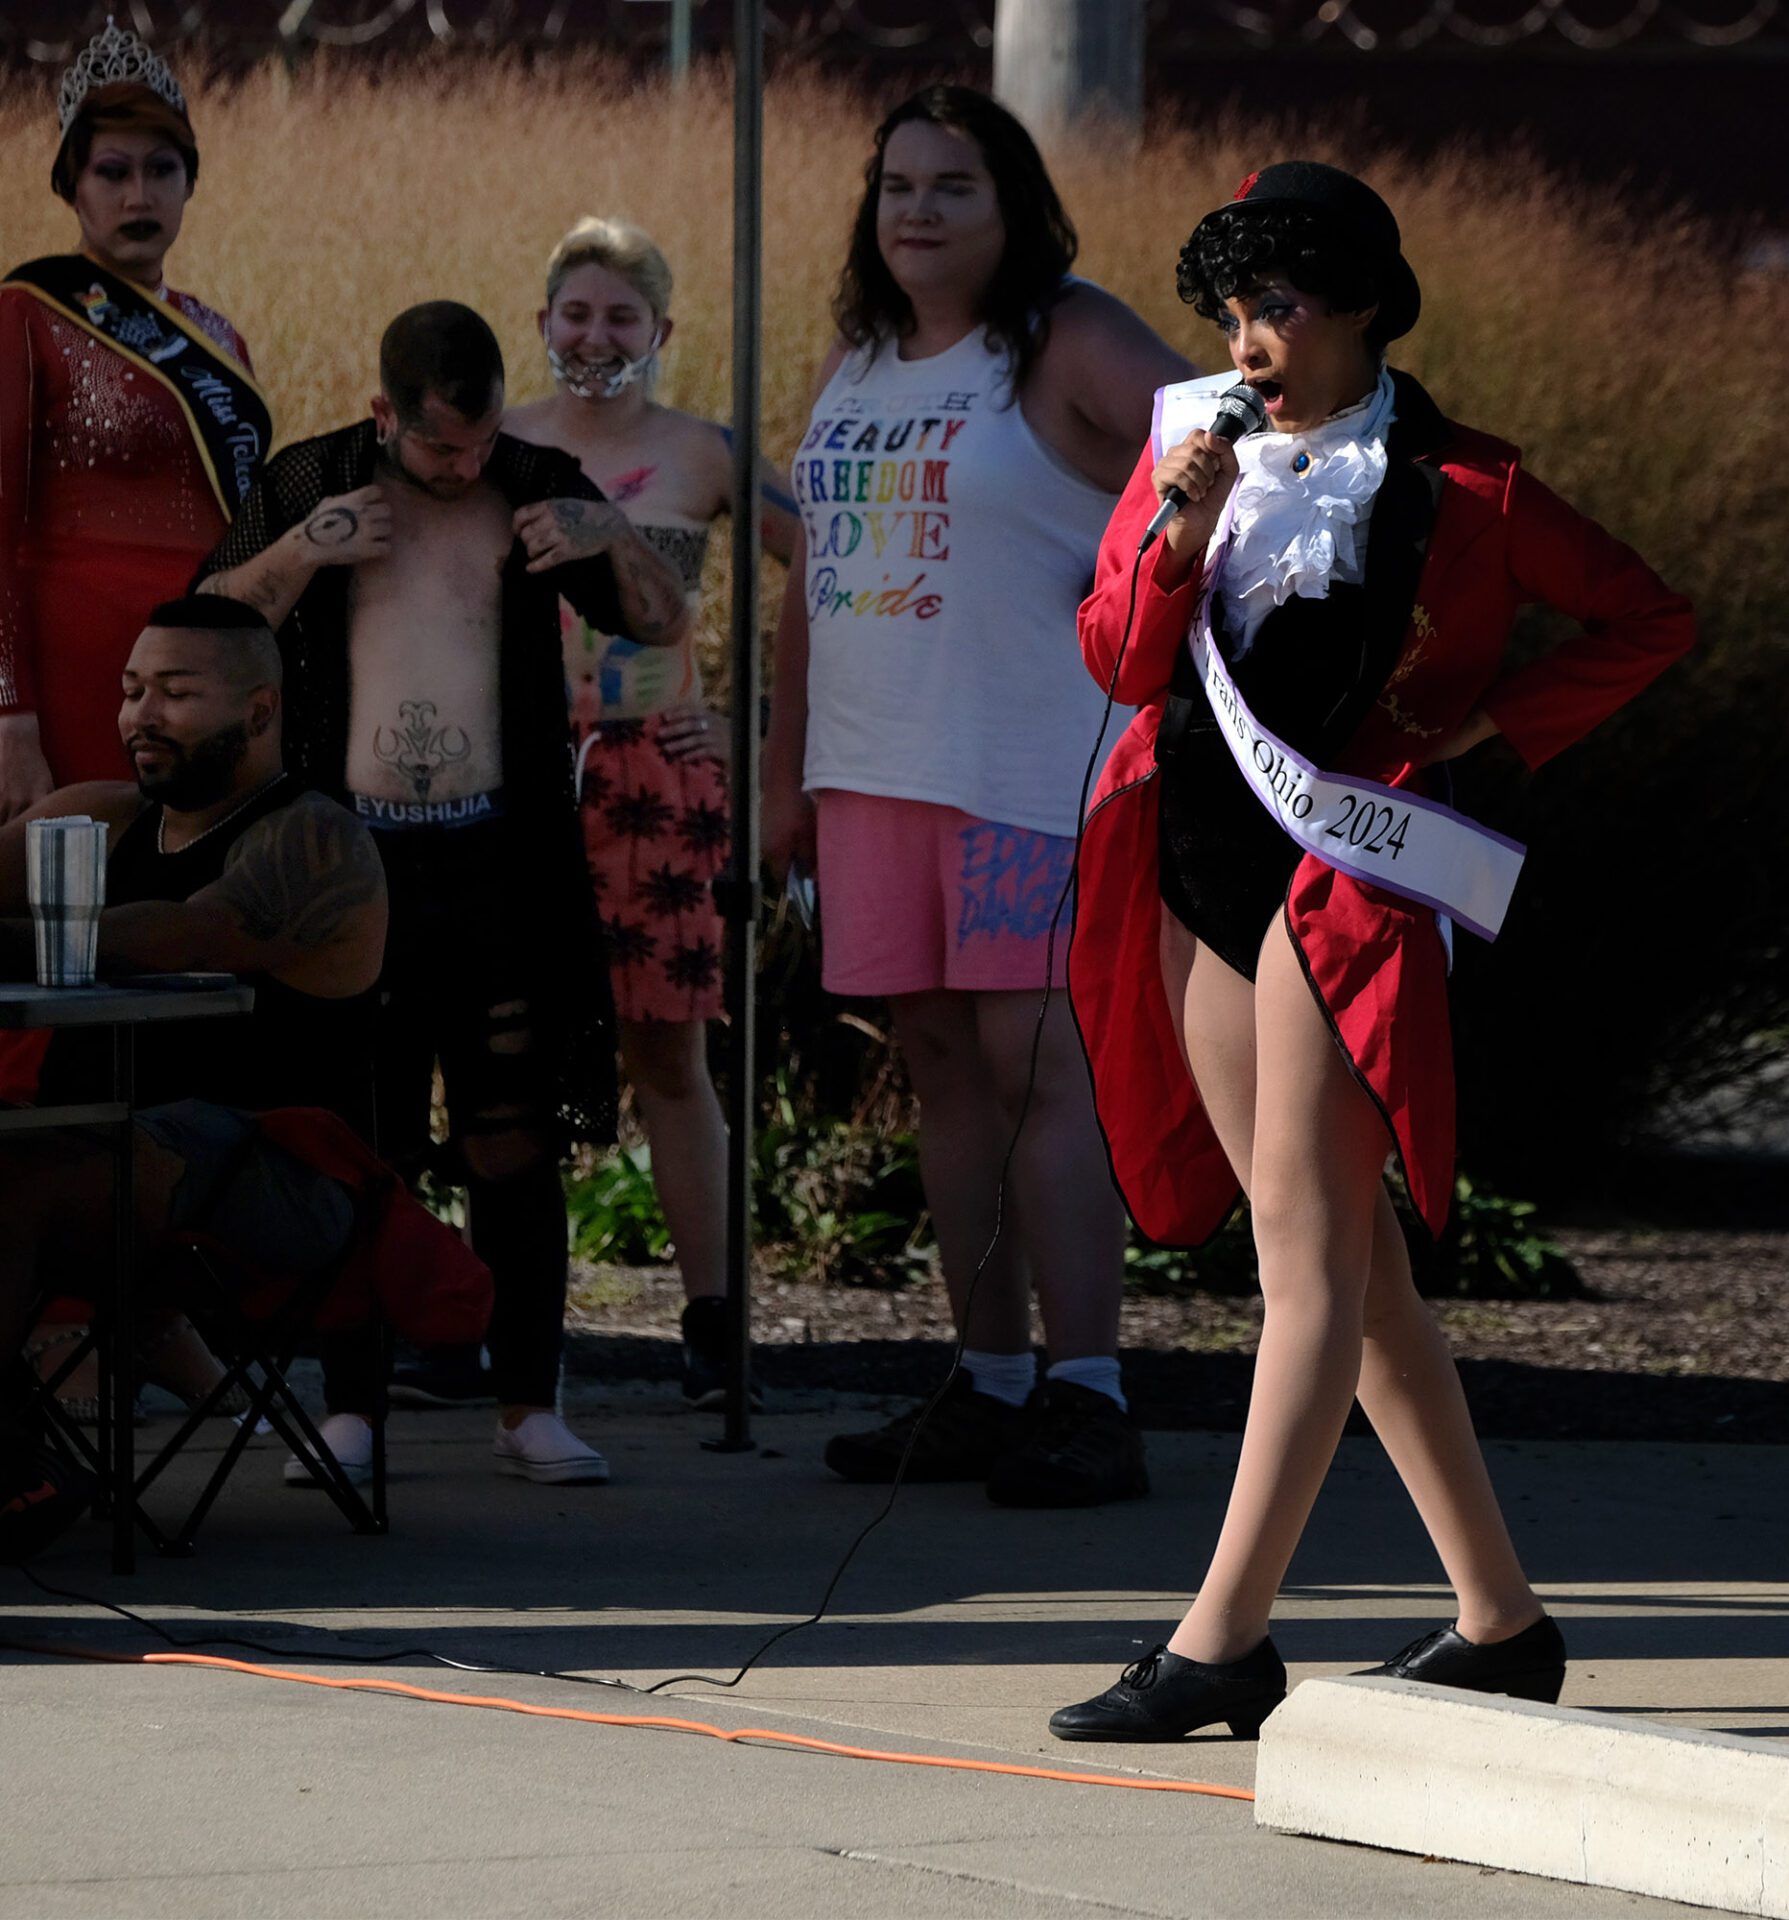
915,897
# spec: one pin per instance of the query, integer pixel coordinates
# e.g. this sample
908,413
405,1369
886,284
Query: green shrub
1493,1249
838,1200
615,1214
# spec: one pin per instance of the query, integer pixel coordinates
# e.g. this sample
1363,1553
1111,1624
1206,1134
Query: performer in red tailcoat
1255,1018
1499,540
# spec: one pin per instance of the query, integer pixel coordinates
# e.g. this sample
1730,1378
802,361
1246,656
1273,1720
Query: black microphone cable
819,1613
1012,1147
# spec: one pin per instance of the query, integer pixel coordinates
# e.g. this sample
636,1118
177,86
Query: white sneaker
542,1447
350,1439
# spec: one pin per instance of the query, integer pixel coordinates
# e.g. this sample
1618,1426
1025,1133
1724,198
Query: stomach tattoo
417,749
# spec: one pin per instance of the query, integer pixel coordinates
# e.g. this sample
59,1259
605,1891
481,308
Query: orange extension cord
758,1734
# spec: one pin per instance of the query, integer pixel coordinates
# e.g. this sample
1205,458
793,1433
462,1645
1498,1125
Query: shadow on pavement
1208,1392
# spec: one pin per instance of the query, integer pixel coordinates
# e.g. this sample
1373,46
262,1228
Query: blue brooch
1301,463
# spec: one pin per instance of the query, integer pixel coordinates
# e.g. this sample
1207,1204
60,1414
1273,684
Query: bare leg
666,1063
962,1141
1318,1155
1410,1390
1060,1199
1331,1256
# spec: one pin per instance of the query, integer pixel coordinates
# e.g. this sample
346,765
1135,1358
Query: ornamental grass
1619,343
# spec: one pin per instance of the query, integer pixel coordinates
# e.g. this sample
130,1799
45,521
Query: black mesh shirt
575,1011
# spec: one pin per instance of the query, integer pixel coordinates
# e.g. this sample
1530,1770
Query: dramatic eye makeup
116,167
1276,307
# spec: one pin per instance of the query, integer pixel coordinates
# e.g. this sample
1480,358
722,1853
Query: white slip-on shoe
542,1447
350,1439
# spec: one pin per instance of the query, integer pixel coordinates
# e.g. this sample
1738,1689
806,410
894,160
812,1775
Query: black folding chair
257,1352
257,1355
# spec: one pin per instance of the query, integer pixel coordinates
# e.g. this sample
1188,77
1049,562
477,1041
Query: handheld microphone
1240,410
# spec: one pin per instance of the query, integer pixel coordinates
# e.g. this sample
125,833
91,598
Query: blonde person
652,760
928,735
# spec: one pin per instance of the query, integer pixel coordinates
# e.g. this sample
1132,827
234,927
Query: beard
392,462
197,776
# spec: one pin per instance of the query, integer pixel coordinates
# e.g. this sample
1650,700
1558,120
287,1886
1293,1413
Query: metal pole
121,1345
680,39
742,899
1059,62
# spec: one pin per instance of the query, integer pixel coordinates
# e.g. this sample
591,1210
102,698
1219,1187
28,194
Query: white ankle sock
1098,1371
1001,1376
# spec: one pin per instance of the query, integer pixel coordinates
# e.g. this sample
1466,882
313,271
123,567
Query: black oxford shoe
1165,1697
1531,1666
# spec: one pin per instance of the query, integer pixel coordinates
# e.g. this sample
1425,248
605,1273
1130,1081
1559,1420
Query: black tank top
295,1050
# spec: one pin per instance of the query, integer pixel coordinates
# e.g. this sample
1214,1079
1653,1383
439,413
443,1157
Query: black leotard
1315,669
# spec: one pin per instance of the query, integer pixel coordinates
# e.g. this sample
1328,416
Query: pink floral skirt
655,837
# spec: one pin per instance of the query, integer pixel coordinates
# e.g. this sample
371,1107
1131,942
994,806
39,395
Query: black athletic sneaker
41,1495
705,1344
443,1377
965,1435
1082,1450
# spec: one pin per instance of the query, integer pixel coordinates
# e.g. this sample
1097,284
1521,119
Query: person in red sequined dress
107,499
118,475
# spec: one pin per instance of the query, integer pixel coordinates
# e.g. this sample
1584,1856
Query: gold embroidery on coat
1413,656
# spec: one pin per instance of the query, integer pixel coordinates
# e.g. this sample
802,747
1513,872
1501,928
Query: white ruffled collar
1301,509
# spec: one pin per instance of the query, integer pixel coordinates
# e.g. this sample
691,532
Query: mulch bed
1680,1336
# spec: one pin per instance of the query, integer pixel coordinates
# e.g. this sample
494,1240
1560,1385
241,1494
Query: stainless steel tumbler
65,881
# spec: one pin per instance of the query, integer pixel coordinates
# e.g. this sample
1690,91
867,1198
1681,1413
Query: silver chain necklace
161,825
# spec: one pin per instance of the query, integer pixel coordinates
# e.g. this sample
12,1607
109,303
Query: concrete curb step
1585,1797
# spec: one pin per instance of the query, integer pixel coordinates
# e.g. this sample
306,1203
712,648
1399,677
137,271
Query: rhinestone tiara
111,57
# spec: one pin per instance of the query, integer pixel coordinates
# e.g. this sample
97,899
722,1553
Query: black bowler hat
1357,215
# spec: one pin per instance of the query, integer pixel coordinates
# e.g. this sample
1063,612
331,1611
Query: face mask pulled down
604,379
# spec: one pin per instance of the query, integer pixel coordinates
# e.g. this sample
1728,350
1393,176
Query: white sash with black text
1399,841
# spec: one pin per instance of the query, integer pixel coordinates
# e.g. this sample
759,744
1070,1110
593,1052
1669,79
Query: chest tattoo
419,749
630,485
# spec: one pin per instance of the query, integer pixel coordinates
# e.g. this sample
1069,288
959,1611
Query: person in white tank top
930,723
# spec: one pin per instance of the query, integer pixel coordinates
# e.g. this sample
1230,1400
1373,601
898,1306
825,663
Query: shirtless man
414,565
217,861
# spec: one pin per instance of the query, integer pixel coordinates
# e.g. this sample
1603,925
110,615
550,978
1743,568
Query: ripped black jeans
459,992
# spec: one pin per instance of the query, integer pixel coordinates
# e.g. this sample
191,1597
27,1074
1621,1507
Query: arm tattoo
263,595
333,527
650,593
300,875
587,523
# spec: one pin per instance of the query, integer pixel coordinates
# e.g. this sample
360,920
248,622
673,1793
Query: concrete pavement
139,1791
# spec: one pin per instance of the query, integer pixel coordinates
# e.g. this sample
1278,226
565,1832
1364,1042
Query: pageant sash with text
231,425
1382,835
1378,834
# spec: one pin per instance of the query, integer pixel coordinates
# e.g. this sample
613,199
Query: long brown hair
869,308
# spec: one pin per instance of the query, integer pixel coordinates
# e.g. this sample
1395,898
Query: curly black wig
1234,249
1040,240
